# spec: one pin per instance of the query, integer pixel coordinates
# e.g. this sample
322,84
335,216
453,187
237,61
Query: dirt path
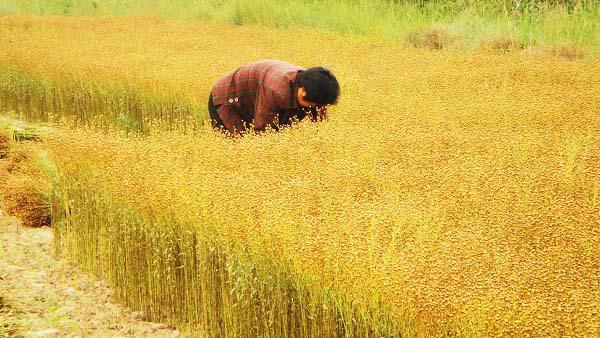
41,296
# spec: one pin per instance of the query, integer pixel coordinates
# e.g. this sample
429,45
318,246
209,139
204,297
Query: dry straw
4,145
24,188
23,197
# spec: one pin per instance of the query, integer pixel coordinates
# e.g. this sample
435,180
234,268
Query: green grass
547,23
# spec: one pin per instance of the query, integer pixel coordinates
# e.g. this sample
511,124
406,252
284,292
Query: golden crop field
449,194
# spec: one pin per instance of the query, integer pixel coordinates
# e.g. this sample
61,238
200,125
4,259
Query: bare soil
45,296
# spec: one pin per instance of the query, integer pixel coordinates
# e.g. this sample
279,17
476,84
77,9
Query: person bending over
269,94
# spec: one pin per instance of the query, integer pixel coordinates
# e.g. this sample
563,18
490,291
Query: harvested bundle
4,145
18,161
21,130
23,197
24,188
28,132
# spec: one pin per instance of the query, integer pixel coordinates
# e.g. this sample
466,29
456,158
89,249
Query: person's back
270,94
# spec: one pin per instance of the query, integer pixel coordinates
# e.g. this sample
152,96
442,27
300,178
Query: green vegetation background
465,24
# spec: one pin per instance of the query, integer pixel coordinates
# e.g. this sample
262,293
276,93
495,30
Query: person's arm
265,110
232,121
318,114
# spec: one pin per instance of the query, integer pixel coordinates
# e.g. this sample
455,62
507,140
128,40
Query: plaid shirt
262,94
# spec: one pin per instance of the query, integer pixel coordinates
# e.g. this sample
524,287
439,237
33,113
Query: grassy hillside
564,27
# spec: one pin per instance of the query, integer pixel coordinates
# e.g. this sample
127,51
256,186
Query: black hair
320,85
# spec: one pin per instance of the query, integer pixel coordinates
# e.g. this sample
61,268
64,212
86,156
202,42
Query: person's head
317,86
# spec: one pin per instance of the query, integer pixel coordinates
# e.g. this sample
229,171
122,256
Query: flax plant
177,270
447,195
368,251
67,99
